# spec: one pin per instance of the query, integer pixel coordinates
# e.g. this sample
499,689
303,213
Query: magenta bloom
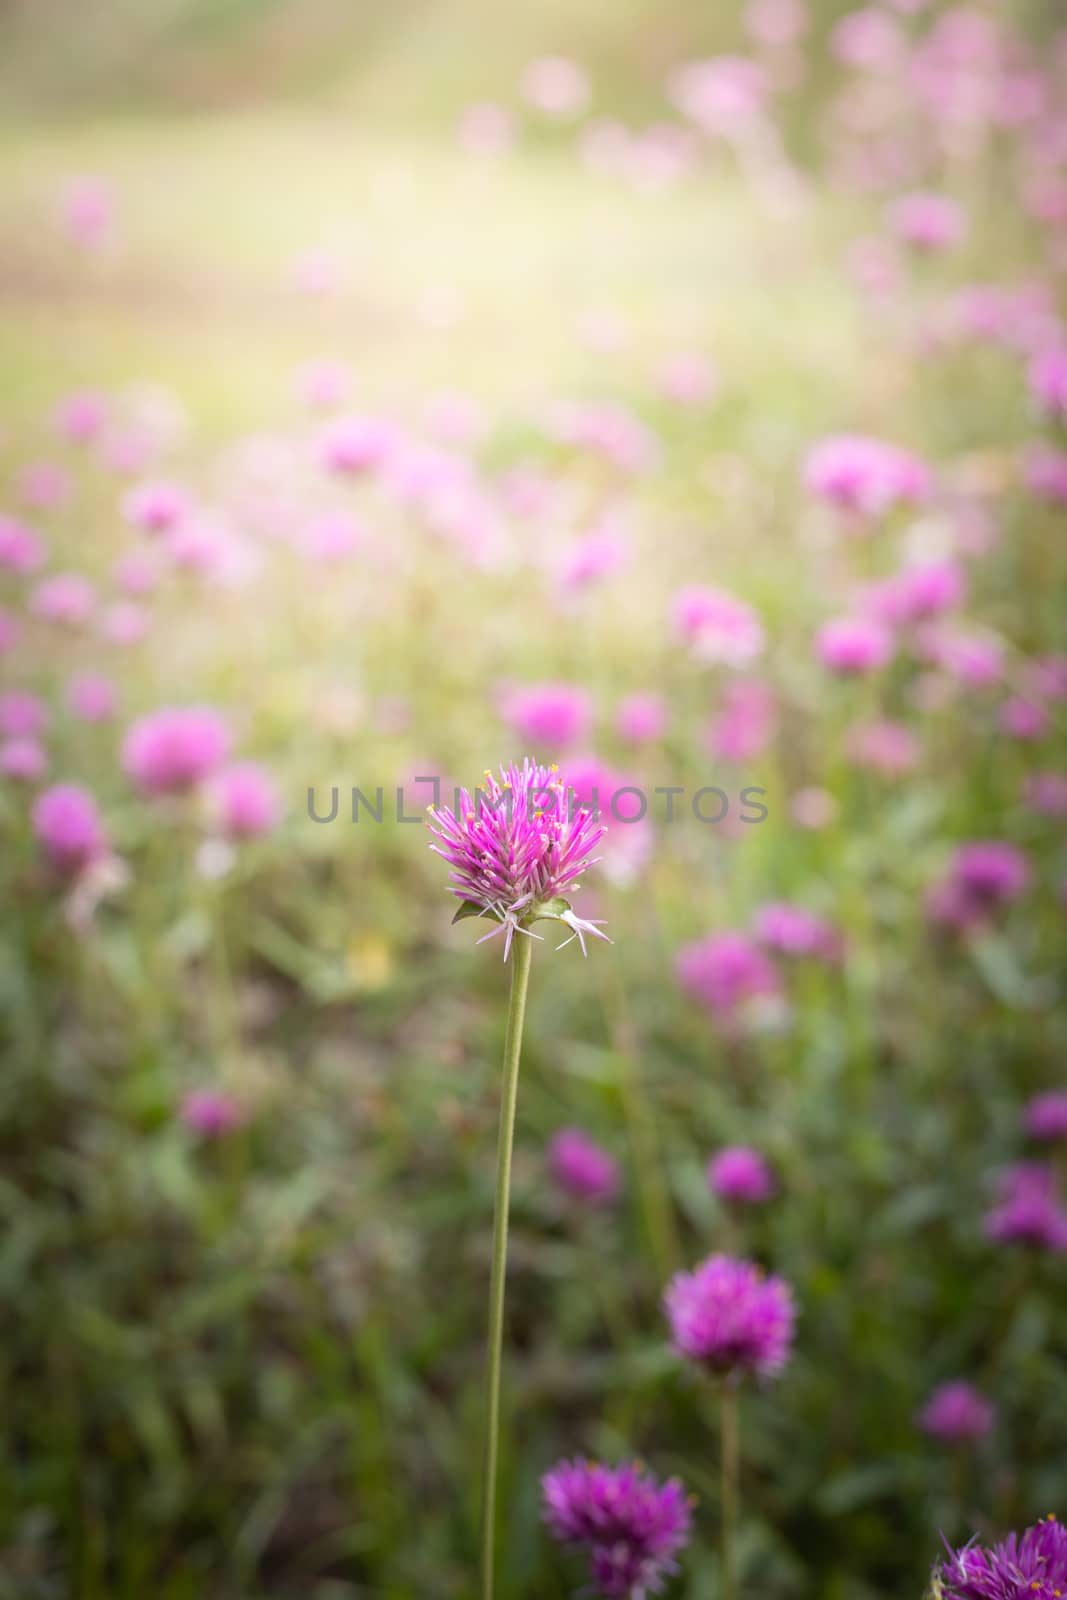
20,548
928,222
725,972
957,1414
1045,1116
210,1112
864,476
156,507
171,750
852,646
719,95
92,697
730,1317
630,1525
23,759
67,599
22,714
517,847
794,931
67,824
925,590
1046,474
641,718
556,86
740,1174
1048,382
1046,793
717,626
889,748
80,416
582,1169
244,800
554,714
1023,719
355,443
747,722
1030,1567
1028,1211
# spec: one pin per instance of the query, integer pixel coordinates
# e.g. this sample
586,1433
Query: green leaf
469,908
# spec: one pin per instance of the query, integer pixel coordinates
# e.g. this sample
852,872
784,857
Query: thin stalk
520,975
729,1434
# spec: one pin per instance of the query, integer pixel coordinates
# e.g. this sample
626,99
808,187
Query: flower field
533,681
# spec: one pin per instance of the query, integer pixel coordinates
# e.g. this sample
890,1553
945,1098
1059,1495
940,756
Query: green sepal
469,908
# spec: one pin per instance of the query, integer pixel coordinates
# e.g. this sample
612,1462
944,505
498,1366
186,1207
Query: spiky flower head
1030,1566
517,847
730,1317
630,1525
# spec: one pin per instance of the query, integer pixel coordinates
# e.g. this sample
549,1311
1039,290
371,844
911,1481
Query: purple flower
156,507
1046,1116
67,824
1030,1567
726,972
982,877
729,1316
853,645
865,477
516,848
741,1174
794,931
1028,1211
22,715
629,1524
173,749
244,801
20,549
91,697
641,718
66,598
554,714
210,1112
23,759
582,1169
957,1413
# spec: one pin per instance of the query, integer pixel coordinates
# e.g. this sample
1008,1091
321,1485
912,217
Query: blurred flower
516,847
124,623
956,1413
865,476
813,808
66,823
22,714
688,378
91,697
726,973
747,722
1046,474
80,416
556,714
582,1169
619,806
243,800
1030,1567
730,1317
641,718
87,210
1046,793
776,22
792,930
1028,1211
1045,1116
171,750
324,384
717,626
67,599
356,443
741,1174
23,759
156,507
928,221
855,645
487,130
720,95
211,1113
1023,719
21,550
594,556
890,748
44,484
1048,382
982,877
556,86
630,1525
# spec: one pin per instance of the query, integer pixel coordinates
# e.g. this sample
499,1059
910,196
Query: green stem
520,975
730,1466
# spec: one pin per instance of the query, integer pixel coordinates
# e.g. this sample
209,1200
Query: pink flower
1048,382
23,759
619,807
487,130
1046,474
725,973
1045,1116
136,572
91,697
982,878
1028,1211
747,722
889,748
22,715
1046,793
124,623
156,507
791,930
855,645
67,599
582,1169
740,1174
87,210
717,626
67,825
925,590
595,556
355,443
972,658
173,749
556,86
719,95
928,222
641,718
44,484
776,23
869,38
80,416
556,714
1023,719
324,384
688,378
865,477
957,1414
244,800
20,549
730,1317
211,1113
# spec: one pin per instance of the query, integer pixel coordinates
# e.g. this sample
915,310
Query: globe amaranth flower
582,1169
630,1525
865,477
67,825
1029,1211
731,1317
728,974
740,1174
175,748
956,1413
516,849
1045,1116
1030,1566
982,877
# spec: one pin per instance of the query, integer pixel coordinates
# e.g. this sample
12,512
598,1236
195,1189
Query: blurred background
676,393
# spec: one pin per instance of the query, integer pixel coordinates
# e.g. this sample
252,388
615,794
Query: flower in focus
173,749
1028,1211
582,1169
1045,1116
630,1525
66,823
717,626
731,1317
554,714
210,1113
243,800
740,1173
515,849
956,1413
1032,1566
